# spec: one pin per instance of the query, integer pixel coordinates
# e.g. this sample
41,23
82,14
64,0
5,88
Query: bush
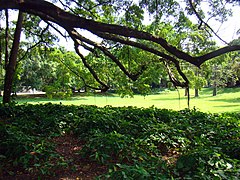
53,92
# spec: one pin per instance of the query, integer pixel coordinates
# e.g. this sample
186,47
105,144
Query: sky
228,30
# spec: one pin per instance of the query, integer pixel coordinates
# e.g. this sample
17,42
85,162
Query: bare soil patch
77,167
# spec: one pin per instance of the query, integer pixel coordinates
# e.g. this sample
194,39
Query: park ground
44,139
227,100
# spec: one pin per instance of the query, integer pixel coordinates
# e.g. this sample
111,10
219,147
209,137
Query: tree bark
11,66
6,38
215,89
186,92
196,92
215,81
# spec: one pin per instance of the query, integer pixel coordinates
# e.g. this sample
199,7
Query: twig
205,23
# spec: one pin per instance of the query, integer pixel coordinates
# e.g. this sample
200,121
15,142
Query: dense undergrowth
134,143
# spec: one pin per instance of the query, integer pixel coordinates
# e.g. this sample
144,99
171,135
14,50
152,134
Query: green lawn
227,100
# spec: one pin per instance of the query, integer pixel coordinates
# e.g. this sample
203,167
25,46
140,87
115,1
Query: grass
227,100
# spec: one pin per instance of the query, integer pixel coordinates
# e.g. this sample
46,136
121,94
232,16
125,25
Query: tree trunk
196,92
214,89
186,92
6,38
11,66
1,53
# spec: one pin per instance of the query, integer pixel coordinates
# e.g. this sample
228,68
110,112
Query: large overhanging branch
78,38
50,12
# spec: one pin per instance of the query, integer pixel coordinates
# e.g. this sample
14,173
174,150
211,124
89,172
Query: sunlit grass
227,100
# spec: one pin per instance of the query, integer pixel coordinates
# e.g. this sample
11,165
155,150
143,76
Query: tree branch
175,81
76,35
203,22
36,44
217,53
50,12
104,86
79,76
135,44
56,29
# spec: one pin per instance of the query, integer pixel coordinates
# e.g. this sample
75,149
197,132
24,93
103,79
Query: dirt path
77,168
68,146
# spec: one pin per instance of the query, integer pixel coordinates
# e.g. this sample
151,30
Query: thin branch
36,44
89,10
67,7
104,86
28,49
79,76
203,22
175,81
87,46
56,29
79,5
76,35
102,3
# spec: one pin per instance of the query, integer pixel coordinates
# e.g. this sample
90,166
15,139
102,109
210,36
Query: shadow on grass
229,90
44,99
169,99
226,106
229,100
220,90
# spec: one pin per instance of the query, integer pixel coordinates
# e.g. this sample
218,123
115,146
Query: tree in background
223,72
236,61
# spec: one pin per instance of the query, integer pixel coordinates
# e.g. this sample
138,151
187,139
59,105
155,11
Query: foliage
135,143
124,52
53,92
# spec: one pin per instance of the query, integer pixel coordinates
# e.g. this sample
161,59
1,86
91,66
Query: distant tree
222,72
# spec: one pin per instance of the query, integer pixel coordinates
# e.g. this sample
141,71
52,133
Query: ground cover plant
57,141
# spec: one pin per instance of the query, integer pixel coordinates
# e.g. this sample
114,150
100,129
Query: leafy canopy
170,38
